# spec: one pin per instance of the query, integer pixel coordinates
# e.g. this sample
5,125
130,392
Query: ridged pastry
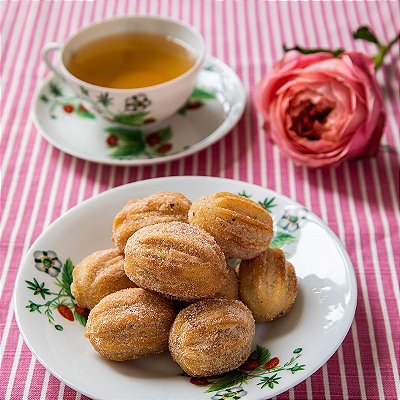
99,275
268,285
176,260
137,213
131,323
230,290
212,336
241,227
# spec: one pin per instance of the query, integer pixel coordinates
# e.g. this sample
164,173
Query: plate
69,122
288,350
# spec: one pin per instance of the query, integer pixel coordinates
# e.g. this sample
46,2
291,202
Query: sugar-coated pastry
230,290
176,260
241,227
268,285
131,323
137,213
99,275
212,336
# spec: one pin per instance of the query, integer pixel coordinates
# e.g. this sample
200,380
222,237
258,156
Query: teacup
137,106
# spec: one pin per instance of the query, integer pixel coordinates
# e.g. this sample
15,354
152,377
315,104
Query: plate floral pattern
260,365
286,226
126,142
63,301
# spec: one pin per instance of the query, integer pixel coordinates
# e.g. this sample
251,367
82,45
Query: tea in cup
133,70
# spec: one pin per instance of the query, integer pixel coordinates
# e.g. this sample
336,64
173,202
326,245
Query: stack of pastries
166,284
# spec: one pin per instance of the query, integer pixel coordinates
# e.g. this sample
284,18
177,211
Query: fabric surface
358,200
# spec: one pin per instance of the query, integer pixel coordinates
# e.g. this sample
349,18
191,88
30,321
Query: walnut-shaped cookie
153,209
129,324
99,275
177,260
268,285
241,227
212,336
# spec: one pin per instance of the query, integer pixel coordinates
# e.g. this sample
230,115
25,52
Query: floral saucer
285,351
71,124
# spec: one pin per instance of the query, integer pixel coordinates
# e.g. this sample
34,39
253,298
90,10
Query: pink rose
322,109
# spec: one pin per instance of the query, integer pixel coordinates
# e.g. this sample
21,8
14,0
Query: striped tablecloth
359,200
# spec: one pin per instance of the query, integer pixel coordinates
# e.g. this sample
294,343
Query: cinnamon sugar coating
268,285
231,288
99,275
241,227
129,324
137,213
177,260
212,336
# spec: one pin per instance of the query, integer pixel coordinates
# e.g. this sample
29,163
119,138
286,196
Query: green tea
130,60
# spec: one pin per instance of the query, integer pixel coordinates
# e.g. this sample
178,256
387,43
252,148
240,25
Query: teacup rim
199,62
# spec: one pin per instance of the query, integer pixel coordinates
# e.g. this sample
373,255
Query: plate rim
298,379
221,131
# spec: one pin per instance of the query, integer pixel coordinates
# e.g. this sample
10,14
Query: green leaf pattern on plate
260,365
133,118
126,144
129,143
268,203
282,239
61,300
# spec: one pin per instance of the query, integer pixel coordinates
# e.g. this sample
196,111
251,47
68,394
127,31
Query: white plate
302,341
69,123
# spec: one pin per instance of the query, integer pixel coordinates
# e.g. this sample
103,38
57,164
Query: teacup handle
48,49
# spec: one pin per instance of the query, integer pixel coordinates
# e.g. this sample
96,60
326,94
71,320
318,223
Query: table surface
358,200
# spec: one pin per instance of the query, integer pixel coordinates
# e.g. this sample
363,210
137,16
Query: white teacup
139,105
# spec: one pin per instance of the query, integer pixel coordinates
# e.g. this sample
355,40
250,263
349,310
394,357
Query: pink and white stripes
359,199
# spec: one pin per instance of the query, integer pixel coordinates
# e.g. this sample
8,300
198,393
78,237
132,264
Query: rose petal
352,128
291,61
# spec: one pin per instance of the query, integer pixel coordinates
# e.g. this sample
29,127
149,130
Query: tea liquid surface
130,60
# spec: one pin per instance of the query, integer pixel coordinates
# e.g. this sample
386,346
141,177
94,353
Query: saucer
71,124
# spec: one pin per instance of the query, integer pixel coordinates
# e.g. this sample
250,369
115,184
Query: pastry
137,213
241,227
97,276
230,290
268,285
212,336
176,260
131,323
